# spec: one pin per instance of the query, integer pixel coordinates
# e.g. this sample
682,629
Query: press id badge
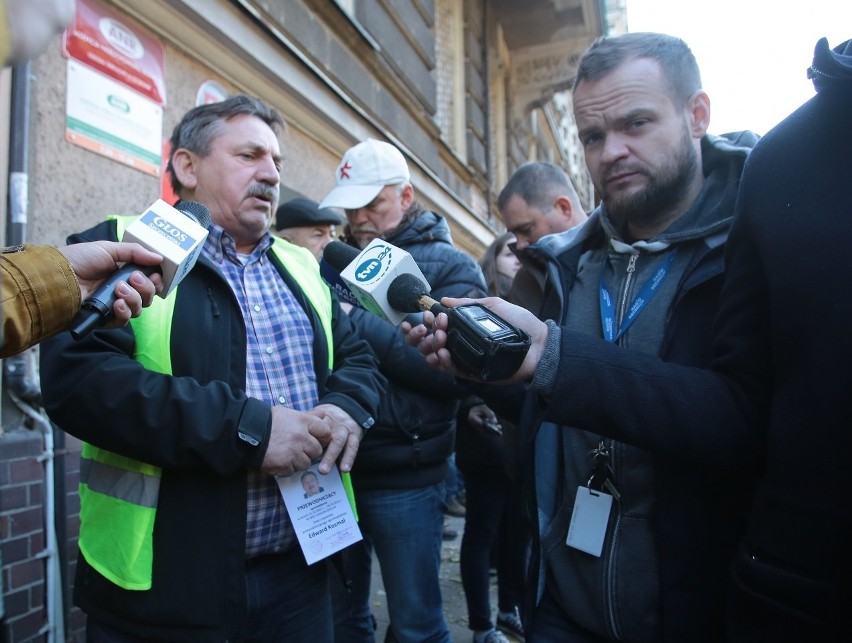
589,519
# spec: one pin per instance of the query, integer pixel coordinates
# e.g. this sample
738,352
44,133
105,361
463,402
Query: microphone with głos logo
177,234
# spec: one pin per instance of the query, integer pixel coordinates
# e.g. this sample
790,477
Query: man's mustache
264,191
622,168
363,230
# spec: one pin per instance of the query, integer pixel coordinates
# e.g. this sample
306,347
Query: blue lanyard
649,289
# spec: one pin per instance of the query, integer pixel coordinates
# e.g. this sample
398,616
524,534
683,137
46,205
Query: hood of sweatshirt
831,67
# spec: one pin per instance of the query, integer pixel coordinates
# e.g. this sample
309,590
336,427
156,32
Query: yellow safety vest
118,495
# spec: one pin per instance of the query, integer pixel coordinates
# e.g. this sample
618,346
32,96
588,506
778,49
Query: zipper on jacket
613,545
609,561
213,305
631,269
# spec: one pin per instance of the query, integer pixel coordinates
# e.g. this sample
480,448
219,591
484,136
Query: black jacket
415,427
187,424
785,350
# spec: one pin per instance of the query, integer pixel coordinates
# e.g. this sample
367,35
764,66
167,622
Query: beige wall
72,188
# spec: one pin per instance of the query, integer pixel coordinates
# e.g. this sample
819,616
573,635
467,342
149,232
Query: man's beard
363,242
665,188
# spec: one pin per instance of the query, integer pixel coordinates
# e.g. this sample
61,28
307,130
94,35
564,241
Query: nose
267,171
356,217
521,242
614,149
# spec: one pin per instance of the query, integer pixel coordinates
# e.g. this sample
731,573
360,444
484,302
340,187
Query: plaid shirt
279,368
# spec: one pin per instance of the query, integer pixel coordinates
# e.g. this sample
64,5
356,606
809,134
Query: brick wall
22,536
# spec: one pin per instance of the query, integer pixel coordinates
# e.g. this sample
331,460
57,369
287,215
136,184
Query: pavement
455,608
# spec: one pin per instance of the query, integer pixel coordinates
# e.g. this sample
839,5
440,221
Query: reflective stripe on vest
118,495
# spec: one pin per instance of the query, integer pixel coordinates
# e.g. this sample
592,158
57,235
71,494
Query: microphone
367,275
335,257
176,234
407,293
481,343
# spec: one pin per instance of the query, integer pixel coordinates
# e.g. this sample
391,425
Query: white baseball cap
364,170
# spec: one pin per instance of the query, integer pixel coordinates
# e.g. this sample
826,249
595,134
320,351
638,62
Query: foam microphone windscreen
339,254
404,293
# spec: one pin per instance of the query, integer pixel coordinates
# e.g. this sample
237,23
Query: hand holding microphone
481,344
386,281
174,235
95,261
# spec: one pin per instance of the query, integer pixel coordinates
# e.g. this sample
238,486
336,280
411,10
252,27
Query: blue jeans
287,600
453,481
404,527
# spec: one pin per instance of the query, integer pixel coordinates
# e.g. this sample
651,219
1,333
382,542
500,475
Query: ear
565,207
407,197
183,164
699,113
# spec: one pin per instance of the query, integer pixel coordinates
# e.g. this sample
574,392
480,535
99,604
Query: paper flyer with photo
320,512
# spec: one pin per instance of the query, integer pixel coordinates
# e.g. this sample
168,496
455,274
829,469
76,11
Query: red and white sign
210,92
112,44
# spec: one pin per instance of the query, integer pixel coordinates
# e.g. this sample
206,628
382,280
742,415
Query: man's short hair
672,54
538,184
200,125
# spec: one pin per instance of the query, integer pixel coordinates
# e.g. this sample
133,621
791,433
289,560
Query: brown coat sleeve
40,295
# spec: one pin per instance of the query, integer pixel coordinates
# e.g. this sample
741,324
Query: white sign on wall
106,117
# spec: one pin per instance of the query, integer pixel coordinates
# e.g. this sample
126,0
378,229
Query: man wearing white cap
373,188
401,466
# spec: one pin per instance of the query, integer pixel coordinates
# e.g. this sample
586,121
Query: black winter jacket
415,427
785,350
187,424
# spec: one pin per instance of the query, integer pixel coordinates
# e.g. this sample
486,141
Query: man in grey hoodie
777,398
636,530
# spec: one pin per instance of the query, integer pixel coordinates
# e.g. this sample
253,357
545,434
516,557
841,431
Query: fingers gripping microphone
176,234
481,343
367,274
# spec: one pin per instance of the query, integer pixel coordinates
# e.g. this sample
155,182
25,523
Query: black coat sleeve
355,382
401,363
96,391
711,416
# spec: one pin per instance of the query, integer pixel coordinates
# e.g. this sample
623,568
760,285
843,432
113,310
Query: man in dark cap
303,222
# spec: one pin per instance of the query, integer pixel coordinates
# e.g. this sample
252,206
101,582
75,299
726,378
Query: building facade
467,89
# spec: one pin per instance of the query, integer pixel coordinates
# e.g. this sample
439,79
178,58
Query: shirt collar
220,245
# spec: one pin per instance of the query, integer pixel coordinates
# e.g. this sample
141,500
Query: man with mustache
246,372
399,476
636,528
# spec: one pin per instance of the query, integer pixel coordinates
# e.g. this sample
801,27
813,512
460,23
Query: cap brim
351,197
